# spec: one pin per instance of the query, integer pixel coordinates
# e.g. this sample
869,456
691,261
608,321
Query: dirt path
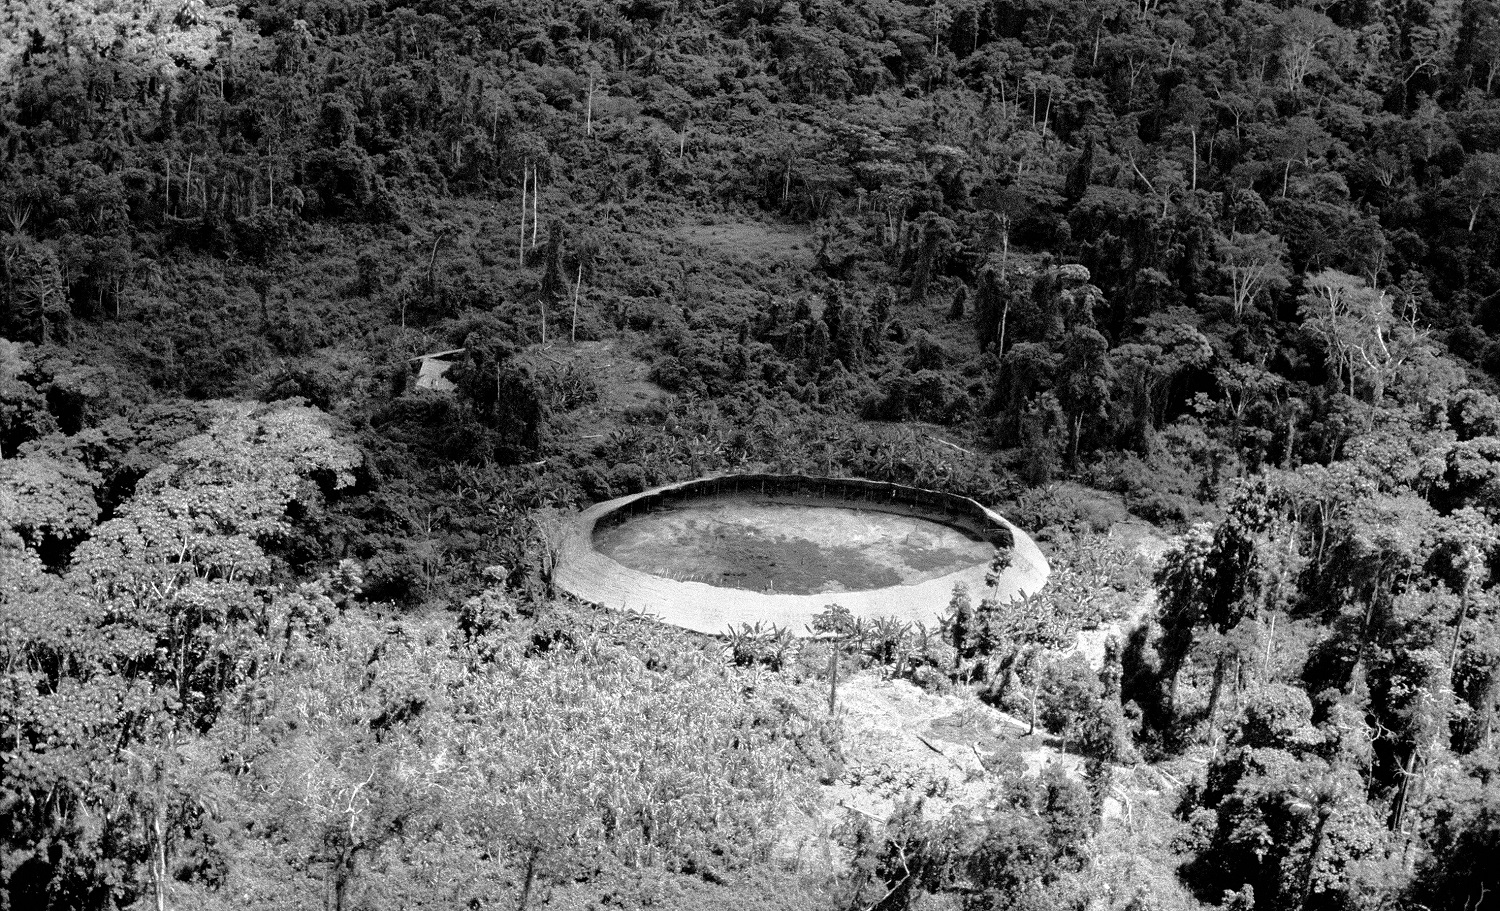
1147,545
901,742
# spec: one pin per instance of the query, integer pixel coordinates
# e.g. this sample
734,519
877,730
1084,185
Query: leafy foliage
1236,263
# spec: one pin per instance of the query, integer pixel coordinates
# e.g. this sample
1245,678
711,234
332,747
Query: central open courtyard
765,546
722,551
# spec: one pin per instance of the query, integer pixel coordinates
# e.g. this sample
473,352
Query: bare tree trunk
437,240
1195,159
1408,772
1312,853
161,865
1270,644
588,110
1291,439
159,846
525,182
577,286
341,875
1364,634
1214,696
1458,629
530,880
833,676
1035,695
1004,315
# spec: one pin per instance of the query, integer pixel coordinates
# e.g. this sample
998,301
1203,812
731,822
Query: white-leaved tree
1364,341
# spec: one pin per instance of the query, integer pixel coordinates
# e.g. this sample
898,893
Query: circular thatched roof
592,576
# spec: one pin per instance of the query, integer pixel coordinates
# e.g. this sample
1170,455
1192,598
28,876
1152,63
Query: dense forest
278,624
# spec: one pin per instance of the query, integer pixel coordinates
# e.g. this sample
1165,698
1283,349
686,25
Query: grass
749,242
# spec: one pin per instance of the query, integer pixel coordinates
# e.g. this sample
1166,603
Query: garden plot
901,742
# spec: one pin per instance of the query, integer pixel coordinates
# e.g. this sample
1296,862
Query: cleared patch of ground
778,547
748,241
622,379
901,742
1145,547
618,379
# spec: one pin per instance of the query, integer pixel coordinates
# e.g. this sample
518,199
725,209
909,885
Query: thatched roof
433,366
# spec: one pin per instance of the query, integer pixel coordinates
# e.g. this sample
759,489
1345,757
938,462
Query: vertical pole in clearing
833,675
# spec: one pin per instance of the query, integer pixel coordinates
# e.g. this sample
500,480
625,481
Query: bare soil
766,546
903,743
